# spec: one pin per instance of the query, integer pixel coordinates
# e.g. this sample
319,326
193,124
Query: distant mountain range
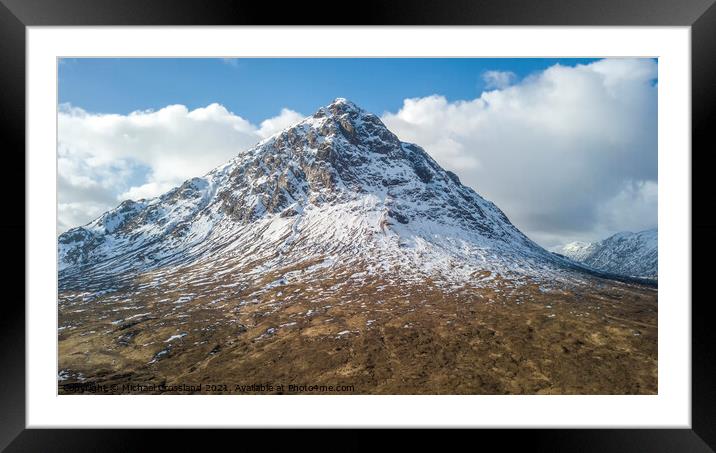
627,254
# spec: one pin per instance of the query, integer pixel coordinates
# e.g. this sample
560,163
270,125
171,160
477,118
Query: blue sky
259,88
567,148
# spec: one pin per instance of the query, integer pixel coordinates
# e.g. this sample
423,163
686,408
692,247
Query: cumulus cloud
569,153
278,123
106,158
148,190
498,79
633,208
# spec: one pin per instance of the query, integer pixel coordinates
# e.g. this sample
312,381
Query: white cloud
103,158
498,79
634,208
557,151
279,123
148,190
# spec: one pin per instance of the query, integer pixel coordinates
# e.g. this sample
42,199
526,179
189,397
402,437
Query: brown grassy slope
379,336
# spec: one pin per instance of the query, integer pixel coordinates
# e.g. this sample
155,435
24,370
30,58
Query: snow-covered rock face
337,186
578,251
629,254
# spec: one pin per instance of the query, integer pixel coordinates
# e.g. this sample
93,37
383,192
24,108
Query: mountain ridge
624,253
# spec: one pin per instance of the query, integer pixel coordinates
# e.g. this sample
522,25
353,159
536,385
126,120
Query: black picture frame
16,15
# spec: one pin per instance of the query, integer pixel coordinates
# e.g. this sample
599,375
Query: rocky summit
625,253
332,252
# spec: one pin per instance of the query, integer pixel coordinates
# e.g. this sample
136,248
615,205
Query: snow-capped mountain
336,188
334,253
625,253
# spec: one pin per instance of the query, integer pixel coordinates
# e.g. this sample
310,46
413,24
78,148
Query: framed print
413,216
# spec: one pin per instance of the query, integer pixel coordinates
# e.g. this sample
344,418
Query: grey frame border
16,15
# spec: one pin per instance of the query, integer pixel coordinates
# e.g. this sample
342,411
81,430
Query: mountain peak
338,129
343,101
338,183
341,107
